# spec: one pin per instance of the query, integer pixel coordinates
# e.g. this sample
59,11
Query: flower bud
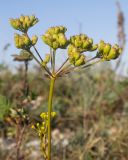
20,44
53,114
35,21
70,48
106,49
62,40
78,43
90,41
18,24
26,19
28,24
22,18
72,39
80,61
55,36
16,39
42,115
83,37
47,58
33,127
55,45
57,30
113,54
32,18
34,40
76,55
120,50
86,44
26,40
101,46
51,30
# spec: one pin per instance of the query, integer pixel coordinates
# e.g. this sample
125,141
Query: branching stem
45,67
53,61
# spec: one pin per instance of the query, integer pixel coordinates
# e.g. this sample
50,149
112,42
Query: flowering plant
77,46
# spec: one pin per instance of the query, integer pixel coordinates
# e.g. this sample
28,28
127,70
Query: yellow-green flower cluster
79,44
108,52
83,43
41,128
55,37
75,57
23,23
44,115
23,42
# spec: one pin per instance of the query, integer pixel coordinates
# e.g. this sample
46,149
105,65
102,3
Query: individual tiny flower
53,114
46,60
33,127
55,37
23,23
34,40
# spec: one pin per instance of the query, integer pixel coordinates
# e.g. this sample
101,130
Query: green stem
86,66
51,55
61,67
52,82
53,62
46,69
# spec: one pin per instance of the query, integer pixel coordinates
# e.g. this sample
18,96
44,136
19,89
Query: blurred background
91,106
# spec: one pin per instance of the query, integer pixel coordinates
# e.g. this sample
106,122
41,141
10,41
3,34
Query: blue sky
98,19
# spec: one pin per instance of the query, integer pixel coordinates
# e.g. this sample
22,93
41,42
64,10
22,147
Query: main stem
52,82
